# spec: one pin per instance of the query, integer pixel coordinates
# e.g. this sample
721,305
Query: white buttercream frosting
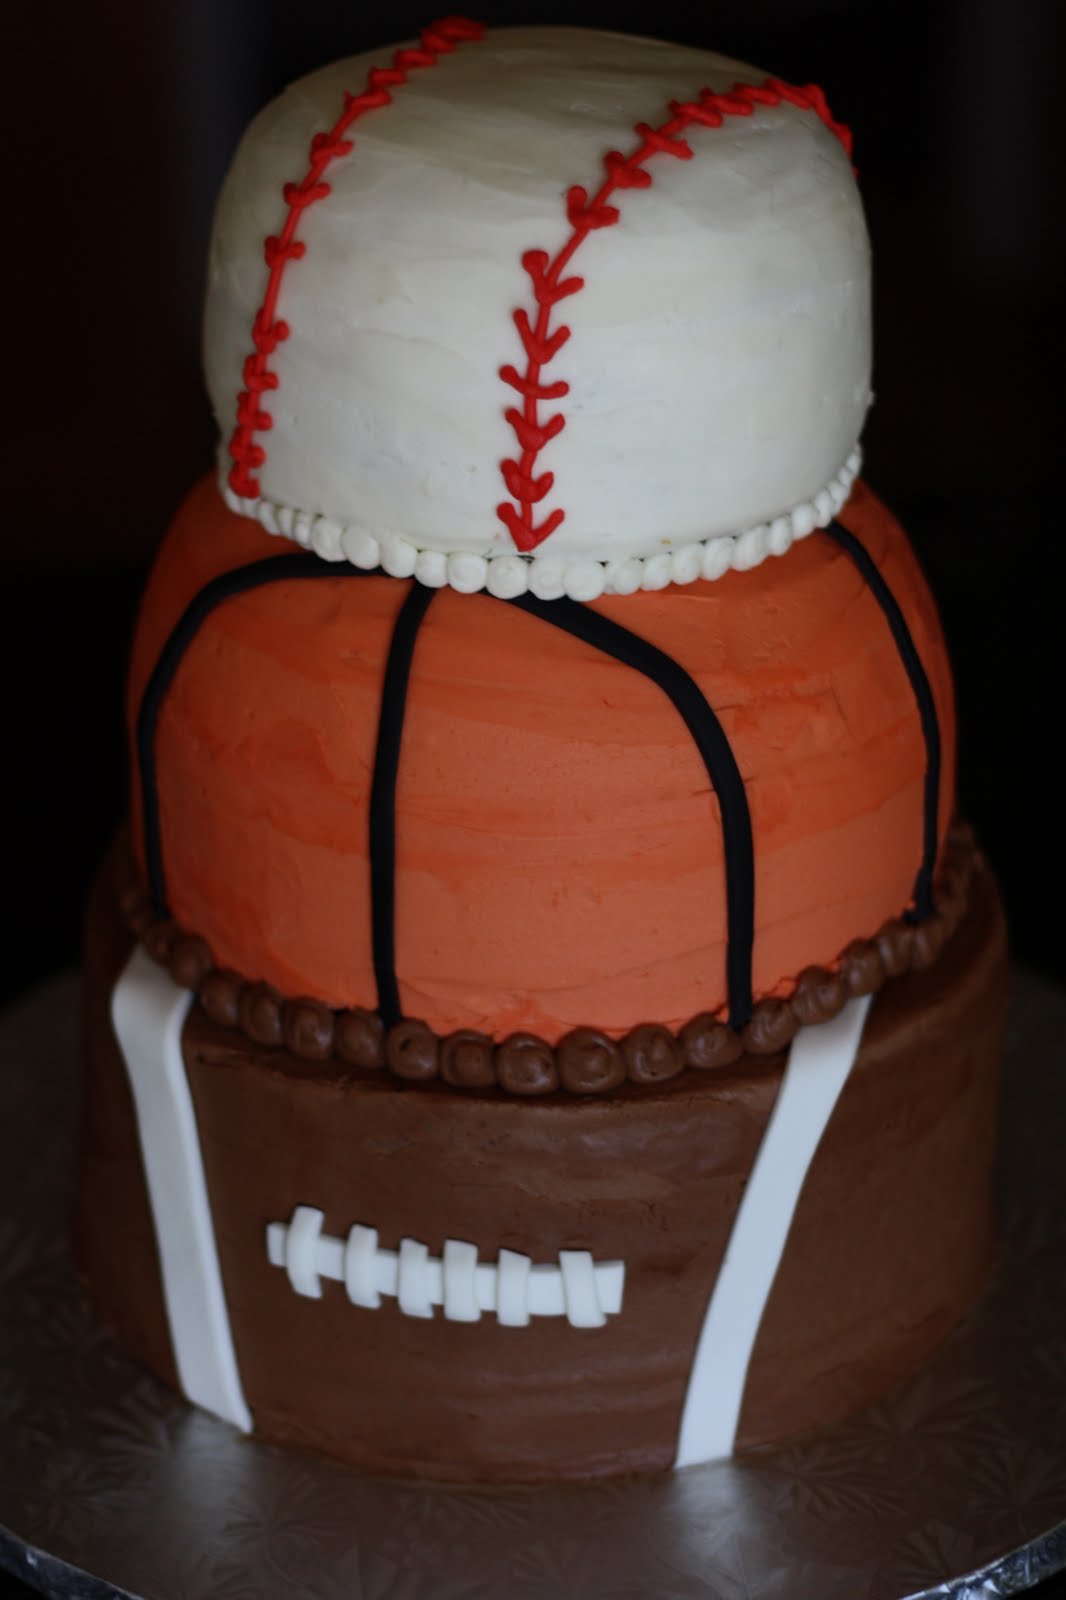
718,364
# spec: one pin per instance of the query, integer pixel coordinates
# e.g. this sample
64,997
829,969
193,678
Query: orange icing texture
559,855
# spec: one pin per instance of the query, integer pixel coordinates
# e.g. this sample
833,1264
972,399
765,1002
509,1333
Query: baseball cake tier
543,1018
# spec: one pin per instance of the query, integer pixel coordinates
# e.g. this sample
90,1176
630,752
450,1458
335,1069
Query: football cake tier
888,1245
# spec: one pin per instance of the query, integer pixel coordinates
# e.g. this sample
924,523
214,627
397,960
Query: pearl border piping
546,576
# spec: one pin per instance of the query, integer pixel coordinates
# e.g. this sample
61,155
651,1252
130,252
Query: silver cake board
953,1485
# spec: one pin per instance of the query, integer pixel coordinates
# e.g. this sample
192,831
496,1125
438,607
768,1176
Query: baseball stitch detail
541,342
268,330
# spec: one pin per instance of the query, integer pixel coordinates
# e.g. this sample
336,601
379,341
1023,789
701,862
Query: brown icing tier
585,1062
889,1245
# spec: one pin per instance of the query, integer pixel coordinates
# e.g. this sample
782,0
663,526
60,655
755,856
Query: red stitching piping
268,331
542,343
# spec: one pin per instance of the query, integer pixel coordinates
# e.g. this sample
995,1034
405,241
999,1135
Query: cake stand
953,1485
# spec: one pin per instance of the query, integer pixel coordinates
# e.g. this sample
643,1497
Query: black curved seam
274,569
382,810
922,893
571,617
712,742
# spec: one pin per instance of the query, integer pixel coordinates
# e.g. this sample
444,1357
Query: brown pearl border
585,1061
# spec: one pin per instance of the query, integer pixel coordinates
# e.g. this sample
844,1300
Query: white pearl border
546,576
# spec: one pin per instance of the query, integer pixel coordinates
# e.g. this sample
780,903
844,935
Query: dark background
122,119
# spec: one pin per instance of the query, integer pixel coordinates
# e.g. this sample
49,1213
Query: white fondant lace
545,576
580,1289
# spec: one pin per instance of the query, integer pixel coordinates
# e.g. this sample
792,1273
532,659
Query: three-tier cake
544,1018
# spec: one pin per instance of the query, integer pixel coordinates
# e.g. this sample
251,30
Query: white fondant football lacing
360,1276
512,1289
460,1282
300,1247
584,1291
546,576
412,1279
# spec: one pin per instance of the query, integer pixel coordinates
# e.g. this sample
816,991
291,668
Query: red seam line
268,330
542,343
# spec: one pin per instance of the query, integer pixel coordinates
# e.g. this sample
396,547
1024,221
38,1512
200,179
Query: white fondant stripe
148,1011
584,1291
819,1062
360,1277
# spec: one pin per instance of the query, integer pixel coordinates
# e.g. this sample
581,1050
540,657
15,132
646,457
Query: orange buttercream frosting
559,854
